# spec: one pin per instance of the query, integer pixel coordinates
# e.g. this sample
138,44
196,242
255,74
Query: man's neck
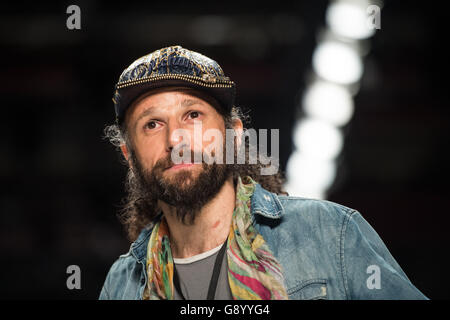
210,228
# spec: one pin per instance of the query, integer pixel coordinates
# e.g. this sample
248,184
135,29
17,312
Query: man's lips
179,166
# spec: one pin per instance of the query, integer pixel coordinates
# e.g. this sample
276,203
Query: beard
185,190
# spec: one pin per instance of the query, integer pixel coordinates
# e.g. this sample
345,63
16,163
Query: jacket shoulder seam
347,211
345,222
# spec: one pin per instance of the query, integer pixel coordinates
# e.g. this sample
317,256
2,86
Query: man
214,230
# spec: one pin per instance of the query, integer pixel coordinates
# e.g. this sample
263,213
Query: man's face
153,123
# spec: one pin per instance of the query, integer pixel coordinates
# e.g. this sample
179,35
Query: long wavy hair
139,210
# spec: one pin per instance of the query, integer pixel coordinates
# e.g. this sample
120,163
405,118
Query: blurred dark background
62,184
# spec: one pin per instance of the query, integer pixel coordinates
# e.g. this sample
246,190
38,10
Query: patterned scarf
253,271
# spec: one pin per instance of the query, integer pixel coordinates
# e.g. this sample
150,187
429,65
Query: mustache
166,162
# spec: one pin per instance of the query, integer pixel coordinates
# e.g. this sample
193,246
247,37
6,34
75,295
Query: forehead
163,96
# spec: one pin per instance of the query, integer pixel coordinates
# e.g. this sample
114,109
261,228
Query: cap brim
125,97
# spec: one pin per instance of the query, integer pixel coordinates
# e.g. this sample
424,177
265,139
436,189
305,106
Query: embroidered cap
172,66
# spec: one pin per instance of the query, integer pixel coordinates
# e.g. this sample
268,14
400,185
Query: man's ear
239,129
125,153
124,150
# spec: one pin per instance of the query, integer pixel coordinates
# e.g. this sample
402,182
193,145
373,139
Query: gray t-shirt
195,275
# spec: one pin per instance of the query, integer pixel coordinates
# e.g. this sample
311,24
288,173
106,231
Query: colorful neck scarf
253,271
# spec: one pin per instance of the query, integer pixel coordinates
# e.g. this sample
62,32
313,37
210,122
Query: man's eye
151,125
194,114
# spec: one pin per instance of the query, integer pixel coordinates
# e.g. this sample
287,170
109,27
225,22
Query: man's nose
175,135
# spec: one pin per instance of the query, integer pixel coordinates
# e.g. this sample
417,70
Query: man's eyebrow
189,102
146,112
184,104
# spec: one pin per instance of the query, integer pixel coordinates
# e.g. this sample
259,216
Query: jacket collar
263,203
266,203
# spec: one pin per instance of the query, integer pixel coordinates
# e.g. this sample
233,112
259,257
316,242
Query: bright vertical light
337,62
349,19
309,177
329,102
317,139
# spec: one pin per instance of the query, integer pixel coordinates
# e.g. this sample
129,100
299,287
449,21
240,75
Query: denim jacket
326,250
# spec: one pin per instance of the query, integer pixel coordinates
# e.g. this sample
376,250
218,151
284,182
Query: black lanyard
214,277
